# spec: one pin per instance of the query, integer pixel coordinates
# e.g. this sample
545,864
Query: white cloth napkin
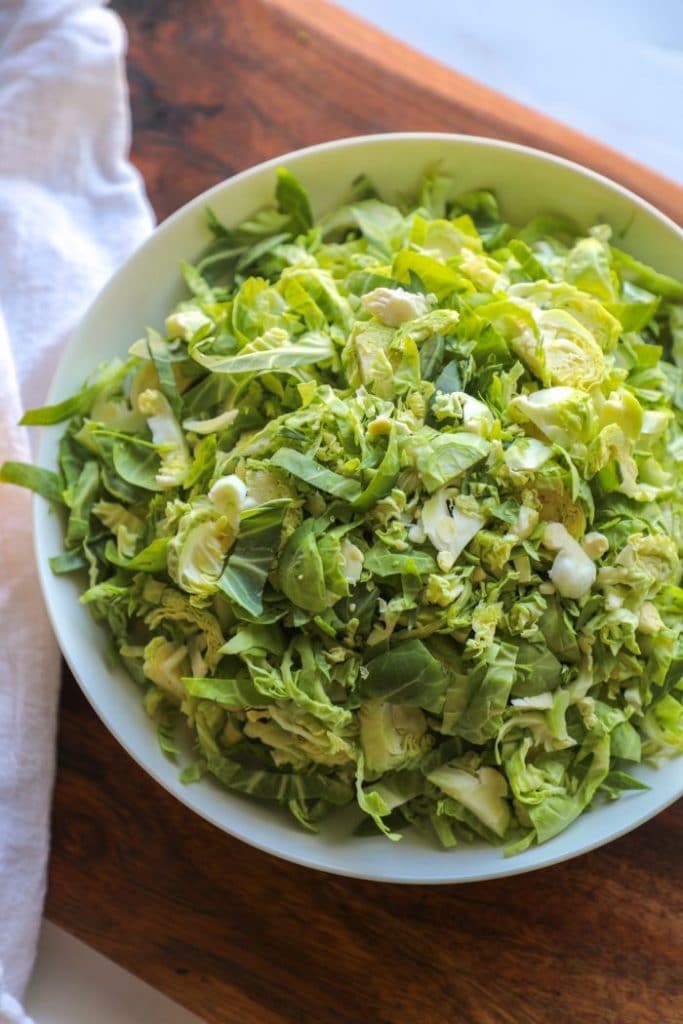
71,209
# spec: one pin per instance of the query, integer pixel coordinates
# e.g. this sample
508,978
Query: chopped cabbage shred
391,514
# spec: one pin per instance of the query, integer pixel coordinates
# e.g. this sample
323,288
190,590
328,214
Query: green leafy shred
390,513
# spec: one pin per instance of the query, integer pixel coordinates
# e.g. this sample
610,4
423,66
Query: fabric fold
72,209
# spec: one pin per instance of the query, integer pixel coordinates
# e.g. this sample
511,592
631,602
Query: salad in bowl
386,514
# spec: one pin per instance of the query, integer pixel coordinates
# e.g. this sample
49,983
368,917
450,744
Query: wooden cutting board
233,934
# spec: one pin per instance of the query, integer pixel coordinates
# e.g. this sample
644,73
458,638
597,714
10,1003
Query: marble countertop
611,70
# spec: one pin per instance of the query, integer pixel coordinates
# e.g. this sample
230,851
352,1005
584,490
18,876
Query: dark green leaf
43,481
137,465
80,498
233,693
292,199
274,352
159,352
617,782
626,742
407,674
311,472
245,574
488,691
280,786
548,225
203,463
381,561
301,573
383,478
71,458
450,379
68,561
538,670
431,357
151,559
646,277
529,265
107,379
559,632
433,273
444,457
197,284
482,207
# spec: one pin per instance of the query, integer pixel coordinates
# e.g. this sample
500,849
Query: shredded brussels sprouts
392,513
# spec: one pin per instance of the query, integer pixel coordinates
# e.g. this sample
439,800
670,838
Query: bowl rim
400,137
504,867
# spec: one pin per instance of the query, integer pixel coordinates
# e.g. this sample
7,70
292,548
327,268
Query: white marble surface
610,68
72,984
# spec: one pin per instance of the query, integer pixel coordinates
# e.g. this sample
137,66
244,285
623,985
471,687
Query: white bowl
141,293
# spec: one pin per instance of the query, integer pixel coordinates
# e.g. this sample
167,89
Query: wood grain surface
218,85
232,933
